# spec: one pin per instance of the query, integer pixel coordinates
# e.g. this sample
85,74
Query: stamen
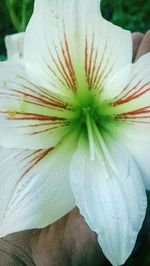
90,133
105,149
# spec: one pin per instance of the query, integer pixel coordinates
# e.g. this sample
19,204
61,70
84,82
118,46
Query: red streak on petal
90,62
141,91
35,160
142,113
66,75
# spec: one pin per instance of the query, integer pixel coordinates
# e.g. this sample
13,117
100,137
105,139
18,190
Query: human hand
68,241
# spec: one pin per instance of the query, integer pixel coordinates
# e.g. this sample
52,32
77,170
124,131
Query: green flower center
92,110
93,116
88,112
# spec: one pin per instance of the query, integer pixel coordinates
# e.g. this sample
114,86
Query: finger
144,46
13,254
137,38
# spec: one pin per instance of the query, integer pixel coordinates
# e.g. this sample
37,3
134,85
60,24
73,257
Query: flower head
75,127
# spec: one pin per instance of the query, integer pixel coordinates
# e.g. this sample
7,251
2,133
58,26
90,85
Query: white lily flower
15,46
76,124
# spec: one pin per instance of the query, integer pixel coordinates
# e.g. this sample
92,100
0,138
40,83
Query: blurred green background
130,14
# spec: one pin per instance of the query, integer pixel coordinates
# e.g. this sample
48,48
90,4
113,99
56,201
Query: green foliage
19,12
130,14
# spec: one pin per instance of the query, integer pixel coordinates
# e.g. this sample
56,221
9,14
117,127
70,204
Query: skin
68,241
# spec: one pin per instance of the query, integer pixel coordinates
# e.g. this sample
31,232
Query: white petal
140,150
132,106
35,189
113,206
15,45
73,46
114,86
132,109
31,116
51,55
